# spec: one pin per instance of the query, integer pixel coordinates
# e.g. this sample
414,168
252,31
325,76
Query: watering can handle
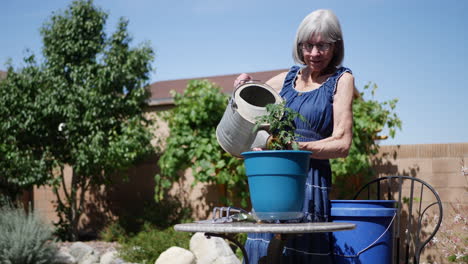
233,101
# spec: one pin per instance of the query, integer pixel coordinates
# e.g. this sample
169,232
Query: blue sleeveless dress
317,107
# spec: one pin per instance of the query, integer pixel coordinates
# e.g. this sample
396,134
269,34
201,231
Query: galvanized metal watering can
235,132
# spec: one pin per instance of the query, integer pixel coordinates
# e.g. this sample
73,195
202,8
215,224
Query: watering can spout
260,140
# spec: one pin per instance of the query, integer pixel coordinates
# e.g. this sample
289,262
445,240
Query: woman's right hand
241,79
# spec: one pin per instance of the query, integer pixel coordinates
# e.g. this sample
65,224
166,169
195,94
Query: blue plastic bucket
371,241
277,182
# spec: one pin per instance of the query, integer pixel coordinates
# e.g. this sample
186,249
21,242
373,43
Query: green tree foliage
85,102
24,159
370,118
192,143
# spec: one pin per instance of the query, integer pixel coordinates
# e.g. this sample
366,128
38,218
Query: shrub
451,241
3,200
147,245
159,215
113,232
192,144
242,238
24,238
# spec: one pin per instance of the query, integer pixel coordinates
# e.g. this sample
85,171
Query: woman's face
317,53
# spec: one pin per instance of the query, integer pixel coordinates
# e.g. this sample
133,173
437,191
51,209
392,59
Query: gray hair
326,24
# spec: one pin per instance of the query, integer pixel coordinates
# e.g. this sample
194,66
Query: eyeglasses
320,46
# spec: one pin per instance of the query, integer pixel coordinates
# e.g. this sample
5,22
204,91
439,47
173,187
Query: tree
370,118
24,160
192,143
89,106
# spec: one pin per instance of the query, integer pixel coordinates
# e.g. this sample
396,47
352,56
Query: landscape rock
176,255
110,257
213,250
90,259
84,254
63,257
79,250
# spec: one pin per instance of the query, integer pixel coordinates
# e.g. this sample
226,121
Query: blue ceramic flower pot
277,182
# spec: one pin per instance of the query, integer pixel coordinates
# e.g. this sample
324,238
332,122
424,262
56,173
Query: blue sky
415,50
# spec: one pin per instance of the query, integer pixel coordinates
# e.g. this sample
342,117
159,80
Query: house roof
160,91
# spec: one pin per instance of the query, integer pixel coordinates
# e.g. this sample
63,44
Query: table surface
248,227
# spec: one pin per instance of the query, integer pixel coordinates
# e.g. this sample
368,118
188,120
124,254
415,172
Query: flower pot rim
363,201
253,153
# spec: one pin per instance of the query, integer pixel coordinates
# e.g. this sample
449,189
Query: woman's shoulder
342,70
345,74
342,74
276,82
345,83
346,78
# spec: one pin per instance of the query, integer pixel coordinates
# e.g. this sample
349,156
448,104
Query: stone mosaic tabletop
280,228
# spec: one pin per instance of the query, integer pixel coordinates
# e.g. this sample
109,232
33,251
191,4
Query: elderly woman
322,91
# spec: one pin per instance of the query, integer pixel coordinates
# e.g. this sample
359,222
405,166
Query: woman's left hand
241,79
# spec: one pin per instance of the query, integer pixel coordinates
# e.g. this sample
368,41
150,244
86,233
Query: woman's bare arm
339,143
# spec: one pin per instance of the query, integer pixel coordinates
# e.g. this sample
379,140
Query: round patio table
282,232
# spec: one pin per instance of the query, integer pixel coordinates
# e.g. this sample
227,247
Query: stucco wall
440,165
444,167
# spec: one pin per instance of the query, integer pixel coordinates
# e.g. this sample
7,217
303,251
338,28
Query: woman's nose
315,51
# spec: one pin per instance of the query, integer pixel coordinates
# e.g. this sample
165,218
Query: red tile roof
160,91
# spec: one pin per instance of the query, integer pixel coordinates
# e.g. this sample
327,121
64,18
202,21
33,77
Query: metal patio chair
415,199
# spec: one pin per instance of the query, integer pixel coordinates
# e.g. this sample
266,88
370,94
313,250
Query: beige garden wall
440,165
443,166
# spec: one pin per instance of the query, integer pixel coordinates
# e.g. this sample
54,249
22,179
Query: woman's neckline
308,91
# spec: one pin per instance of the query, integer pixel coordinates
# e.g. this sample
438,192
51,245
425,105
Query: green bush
159,215
113,232
3,199
147,245
24,239
242,238
192,144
